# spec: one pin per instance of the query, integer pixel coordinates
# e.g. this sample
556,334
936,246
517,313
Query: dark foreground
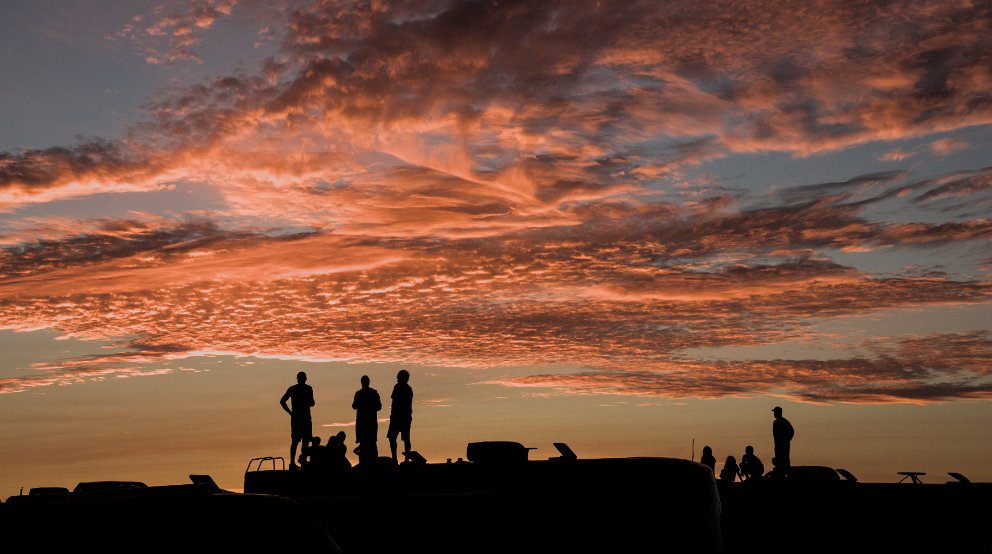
122,517
843,516
502,502
602,505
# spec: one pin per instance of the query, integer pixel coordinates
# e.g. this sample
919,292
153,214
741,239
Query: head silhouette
340,436
365,381
749,449
301,377
403,376
777,410
707,451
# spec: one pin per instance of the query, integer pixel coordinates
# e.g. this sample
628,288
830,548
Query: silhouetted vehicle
823,509
108,485
500,501
128,516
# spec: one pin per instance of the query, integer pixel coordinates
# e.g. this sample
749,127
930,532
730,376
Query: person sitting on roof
337,458
730,470
778,471
708,459
312,455
751,466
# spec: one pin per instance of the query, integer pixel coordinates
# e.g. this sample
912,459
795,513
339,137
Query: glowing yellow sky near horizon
212,414
159,429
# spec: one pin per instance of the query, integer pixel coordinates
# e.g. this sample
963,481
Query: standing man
782,432
366,406
301,396
401,413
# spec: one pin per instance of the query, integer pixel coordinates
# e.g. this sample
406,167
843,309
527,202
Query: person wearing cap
782,432
300,396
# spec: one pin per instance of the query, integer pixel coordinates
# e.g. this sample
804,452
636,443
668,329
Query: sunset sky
631,226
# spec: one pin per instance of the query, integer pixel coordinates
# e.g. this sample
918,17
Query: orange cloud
479,184
919,370
607,94
179,25
943,147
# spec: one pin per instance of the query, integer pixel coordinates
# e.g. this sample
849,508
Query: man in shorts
301,397
400,413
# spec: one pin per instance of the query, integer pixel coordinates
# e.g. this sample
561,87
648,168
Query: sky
631,226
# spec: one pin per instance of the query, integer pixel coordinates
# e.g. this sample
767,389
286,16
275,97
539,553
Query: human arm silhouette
282,402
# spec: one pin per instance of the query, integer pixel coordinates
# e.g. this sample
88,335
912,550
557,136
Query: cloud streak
919,370
175,29
486,184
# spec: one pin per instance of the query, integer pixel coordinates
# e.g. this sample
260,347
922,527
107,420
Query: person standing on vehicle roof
301,397
366,405
401,413
782,432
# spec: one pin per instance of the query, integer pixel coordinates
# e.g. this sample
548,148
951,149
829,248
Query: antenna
693,458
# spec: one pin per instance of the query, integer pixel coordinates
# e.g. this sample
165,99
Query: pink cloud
482,184
179,25
943,147
895,156
491,88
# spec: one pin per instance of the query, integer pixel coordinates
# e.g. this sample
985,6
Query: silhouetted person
751,466
301,397
707,459
336,452
777,471
783,432
400,413
730,470
312,455
367,405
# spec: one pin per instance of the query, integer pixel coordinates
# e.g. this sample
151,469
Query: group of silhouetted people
367,405
750,467
325,458
298,400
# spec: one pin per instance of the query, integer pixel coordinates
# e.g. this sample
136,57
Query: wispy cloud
916,370
945,146
528,98
479,184
174,29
